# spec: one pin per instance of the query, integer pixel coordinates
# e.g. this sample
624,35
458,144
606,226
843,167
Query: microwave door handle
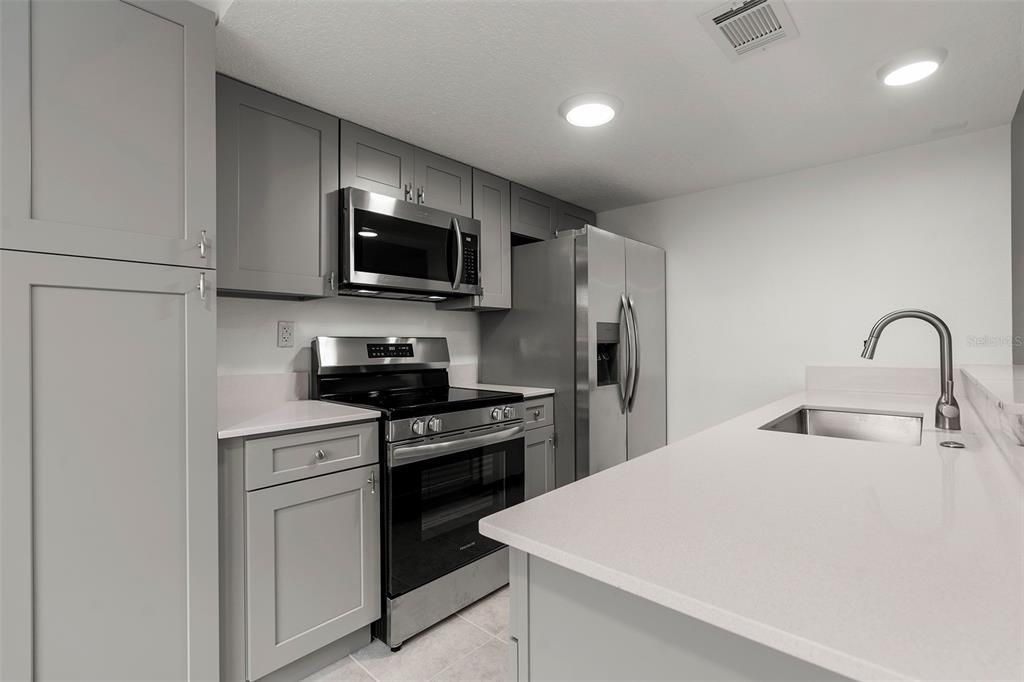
407,454
458,253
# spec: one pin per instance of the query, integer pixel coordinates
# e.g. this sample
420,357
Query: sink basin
835,422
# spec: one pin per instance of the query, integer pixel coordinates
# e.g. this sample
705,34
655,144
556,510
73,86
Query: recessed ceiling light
366,233
589,111
912,67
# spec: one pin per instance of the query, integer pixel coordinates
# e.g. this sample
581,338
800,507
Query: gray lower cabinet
277,194
378,163
540,442
572,217
492,207
539,461
534,214
300,549
312,565
107,130
108,478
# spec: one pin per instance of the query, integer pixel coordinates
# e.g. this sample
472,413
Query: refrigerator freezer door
645,287
600,413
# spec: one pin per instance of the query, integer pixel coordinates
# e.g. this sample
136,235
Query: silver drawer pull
372,480
321,455
536,414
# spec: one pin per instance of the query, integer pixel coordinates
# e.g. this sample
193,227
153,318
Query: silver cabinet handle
202,286
421,195
202,244
536,414
332,282
408,191
372,480
458,253
320,455
636,354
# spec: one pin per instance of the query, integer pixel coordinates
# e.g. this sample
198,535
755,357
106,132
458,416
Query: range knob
419,427
509,412
435,424
496,414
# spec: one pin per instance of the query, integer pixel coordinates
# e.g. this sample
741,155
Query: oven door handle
407,454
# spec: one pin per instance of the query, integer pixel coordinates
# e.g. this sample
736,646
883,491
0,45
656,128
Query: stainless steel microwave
397,249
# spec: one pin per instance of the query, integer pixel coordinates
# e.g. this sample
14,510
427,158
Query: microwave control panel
470,257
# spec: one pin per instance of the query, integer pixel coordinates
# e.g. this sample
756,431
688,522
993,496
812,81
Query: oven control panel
451,422
389,350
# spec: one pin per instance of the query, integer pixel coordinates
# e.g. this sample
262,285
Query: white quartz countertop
527,391
251,420
874,560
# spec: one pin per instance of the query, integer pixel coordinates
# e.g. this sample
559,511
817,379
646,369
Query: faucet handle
949,411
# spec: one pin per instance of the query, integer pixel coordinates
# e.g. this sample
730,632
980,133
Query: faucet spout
947,410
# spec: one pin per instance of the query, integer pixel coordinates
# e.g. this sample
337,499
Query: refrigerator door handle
635,345
627,391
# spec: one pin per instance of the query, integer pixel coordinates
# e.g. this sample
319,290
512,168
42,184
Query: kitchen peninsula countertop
873,560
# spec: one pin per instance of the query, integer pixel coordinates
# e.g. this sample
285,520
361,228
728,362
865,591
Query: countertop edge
756,631
284,423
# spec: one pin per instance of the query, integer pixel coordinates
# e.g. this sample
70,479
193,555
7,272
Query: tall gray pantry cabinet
108,474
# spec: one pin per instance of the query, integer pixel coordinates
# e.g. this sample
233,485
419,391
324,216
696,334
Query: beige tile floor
470,646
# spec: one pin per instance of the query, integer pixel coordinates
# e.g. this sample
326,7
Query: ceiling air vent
740,28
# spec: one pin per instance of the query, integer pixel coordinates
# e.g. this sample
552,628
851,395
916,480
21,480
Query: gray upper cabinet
107,130
382,164
492,207
313,564
534,214
277,197
376,162
108,533
571,217
443,184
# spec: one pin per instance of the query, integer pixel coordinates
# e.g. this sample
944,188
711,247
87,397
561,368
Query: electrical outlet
285,334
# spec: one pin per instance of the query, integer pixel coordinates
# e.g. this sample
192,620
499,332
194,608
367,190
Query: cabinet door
107,131
540,461
492,207
571,217
277,200
534,214
108,470
376,163
443,184
313,565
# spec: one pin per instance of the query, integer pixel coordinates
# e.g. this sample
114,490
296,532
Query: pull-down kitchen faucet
947,411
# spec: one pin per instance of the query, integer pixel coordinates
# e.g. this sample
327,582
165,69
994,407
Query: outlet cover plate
285,334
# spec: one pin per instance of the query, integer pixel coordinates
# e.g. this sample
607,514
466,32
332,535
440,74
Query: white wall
247,329
1017,207
769,276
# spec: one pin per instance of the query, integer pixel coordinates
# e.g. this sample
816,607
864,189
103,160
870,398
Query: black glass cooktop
400,404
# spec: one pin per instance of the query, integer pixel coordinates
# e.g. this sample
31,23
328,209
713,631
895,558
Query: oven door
437,492
392,244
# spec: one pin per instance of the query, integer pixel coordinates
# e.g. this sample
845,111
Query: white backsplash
247,330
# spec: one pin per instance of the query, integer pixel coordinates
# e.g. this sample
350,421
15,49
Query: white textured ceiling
482,82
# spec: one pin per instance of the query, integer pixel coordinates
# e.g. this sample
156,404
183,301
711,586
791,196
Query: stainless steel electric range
451,456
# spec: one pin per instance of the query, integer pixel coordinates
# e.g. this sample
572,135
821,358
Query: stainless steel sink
842,423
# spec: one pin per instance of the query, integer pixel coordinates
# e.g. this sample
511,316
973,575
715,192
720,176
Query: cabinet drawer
294,456
539,412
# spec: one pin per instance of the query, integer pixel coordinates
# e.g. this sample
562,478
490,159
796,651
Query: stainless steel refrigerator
587,319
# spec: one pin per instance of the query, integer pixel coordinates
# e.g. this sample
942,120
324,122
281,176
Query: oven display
389,350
